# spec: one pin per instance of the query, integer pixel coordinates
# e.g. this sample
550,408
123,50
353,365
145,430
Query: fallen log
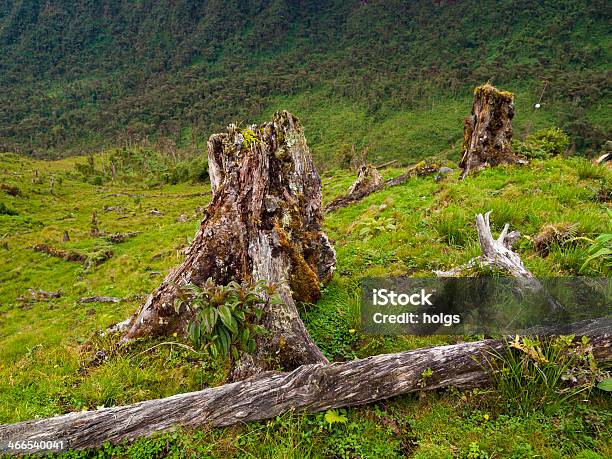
369,181
89,260
312,387
99,299
60,253
43,294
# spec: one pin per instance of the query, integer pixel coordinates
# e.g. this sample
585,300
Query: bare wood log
263,223
603,158
43,294
59,253
364,186
487,133
99,299
498,254
313,387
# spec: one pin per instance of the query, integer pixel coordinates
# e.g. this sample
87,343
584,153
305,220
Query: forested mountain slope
78,75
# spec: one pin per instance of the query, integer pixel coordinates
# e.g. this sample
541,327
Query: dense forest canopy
81,74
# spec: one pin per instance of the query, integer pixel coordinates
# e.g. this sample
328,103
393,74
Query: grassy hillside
53,360
79,75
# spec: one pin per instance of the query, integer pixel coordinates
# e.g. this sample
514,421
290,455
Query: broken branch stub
487,133
498,254
263,223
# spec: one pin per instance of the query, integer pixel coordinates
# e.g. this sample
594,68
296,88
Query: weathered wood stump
368,179
498,254
487,133
263,223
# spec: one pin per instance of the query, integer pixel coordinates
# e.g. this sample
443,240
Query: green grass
433,128
48,349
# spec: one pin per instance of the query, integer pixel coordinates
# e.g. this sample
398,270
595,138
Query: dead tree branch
498,254
365,186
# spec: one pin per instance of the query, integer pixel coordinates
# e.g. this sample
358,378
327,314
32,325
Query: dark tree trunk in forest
263,223
487,133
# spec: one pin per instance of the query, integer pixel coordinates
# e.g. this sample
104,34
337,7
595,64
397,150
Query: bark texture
263,223
487,133
314,387
367,178
370,181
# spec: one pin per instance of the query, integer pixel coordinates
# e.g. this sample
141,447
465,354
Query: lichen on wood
263,223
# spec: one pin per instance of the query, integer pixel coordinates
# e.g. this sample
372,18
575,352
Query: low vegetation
54,358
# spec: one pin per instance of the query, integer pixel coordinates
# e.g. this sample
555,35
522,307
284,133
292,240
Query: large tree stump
263,223
487,133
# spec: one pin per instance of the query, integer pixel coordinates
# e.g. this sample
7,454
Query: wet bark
263,223
487,133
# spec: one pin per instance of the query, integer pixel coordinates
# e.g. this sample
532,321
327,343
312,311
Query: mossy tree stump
487,134
263,223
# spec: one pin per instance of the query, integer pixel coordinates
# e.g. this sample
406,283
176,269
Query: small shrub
474,452
600,250
544,143
586,170
536,373
97,180
452,226
198,169
551,234
568,257
225,316
371,227
5,210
